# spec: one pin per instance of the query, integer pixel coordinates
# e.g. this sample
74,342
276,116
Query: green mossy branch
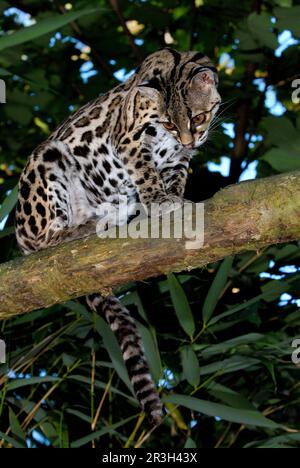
248,216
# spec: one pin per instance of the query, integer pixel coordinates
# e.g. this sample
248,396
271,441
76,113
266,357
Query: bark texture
243,217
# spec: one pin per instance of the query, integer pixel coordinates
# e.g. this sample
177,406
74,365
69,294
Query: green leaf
236,415
228,396
260,26
134,298
216,288
181,305
288,18
9,203
96,435
271,368
20,383
190,444
151,351
282,160
22,114
44,26
113,349
271,291
11,440
4,72
282,133
233,364
7,232
16,429
190,365
221,348
180,11
283,441
286,138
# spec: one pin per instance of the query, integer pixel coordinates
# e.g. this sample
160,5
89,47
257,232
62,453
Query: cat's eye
169,125
199,119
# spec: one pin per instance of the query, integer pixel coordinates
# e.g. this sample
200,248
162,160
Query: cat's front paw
167,204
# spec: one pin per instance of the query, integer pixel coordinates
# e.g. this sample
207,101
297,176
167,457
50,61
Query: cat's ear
150,89
203,82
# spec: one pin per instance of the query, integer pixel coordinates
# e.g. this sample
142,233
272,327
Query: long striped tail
125,330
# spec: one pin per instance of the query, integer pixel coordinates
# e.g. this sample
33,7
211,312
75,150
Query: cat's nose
186,140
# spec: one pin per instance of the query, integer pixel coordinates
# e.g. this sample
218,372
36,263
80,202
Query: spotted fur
137,140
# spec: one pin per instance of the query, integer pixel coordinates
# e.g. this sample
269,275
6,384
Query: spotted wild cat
137,140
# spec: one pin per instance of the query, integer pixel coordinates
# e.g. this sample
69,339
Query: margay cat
137,140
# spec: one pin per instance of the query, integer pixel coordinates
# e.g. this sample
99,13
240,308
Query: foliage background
226,376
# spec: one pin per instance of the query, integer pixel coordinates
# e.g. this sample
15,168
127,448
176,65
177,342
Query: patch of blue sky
38,437
168,380
226,61
87,70
57,37
12,375
3,223
286,299
271,276
223,168
250,173
229,129
285,40
64,39
138,41
260,83
254,139
288,269
271,102
30,444
20,16
275,107
123,75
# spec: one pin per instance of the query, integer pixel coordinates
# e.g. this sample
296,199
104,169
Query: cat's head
184,85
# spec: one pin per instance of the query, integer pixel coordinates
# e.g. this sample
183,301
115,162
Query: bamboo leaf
16,429
96,435
7,232
20,383
236,415
151,351
42,27
8,203
190,365
11,440
190,444
113,349
216,288
181,305
233,364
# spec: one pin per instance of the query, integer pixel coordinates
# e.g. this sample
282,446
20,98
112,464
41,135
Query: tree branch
248,216
116,7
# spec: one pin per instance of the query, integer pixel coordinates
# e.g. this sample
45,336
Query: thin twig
116,7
